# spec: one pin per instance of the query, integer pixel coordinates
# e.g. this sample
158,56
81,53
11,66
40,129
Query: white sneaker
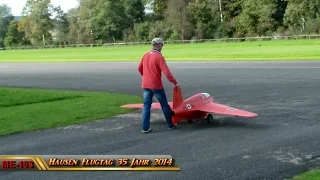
147,131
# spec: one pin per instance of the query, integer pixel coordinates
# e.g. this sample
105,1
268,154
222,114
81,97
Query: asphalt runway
281,142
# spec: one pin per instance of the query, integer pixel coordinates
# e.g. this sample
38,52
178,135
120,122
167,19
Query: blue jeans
162,98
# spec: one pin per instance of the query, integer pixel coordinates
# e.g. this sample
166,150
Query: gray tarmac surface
280,143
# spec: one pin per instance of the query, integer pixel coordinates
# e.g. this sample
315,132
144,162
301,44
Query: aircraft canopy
206,95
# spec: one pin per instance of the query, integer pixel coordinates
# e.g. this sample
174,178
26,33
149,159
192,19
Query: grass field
258,50
311,175
35,109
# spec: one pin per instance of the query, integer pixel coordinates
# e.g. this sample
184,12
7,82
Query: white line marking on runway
248,67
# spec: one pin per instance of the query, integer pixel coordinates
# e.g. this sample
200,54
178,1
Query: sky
17,5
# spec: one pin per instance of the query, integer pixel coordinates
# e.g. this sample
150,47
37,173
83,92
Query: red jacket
150,68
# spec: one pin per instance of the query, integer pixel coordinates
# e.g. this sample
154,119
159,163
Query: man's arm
165,69
140,67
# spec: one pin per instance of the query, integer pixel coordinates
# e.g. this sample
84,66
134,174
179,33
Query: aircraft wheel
190,121
210,119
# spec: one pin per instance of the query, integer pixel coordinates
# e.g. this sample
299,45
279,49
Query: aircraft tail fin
177,96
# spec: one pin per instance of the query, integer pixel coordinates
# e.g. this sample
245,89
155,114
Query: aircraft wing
226,110
140,106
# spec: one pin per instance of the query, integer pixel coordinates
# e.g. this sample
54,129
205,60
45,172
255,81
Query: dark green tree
37,23
14,37
5,18
109,20
61,26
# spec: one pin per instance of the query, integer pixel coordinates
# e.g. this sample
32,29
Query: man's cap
157,41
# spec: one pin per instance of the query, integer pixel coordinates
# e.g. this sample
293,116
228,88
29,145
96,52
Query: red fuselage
186,109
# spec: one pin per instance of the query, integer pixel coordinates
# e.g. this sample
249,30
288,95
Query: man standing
151,66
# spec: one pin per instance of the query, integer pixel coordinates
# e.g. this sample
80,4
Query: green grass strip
24,110
311,175
216,51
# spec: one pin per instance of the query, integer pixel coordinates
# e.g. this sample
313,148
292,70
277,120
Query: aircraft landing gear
209,119
190,121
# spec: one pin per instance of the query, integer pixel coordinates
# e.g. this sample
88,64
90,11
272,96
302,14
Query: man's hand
177,84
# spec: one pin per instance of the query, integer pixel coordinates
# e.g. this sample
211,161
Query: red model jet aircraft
198,106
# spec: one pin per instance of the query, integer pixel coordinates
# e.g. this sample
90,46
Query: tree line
103,21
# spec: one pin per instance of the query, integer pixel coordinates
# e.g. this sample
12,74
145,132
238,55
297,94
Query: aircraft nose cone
249,114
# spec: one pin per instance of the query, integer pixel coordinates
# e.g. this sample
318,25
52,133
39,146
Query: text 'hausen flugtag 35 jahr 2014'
88,163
